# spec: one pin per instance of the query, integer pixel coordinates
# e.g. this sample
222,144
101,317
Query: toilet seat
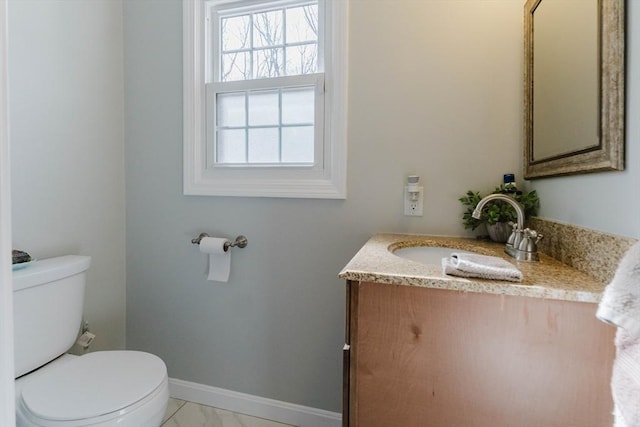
94,388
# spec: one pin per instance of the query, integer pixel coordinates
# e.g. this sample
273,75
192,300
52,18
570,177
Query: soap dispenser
509,184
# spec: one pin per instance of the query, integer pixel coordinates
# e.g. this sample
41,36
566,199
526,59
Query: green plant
497,211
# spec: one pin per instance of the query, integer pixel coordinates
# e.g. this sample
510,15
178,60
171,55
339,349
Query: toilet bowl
55,389
106,388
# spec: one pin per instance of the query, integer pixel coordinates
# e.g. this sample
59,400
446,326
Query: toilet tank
48,299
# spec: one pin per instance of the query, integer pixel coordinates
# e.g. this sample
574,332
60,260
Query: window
265,98
266,84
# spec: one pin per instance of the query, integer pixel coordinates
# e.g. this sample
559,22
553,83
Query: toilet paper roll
219,260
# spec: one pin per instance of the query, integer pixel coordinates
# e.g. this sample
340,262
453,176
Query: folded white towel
481,266
620,306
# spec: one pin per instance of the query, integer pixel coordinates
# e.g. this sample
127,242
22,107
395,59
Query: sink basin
427,254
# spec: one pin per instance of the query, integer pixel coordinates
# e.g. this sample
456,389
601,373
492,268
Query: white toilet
54,389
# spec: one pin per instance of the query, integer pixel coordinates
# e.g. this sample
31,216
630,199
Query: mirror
574,87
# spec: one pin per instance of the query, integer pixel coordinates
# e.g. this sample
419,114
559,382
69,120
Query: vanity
426,349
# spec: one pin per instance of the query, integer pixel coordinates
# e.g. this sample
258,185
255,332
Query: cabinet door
430,357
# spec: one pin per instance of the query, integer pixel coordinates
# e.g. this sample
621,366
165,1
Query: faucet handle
517,236
514,232
534,235
513,225
529,242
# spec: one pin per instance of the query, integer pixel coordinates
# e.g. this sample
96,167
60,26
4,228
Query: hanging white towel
620,306
481,266
625,380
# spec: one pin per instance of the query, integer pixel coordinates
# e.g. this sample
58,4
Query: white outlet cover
413,207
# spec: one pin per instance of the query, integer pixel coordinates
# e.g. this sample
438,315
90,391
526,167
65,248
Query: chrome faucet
523,242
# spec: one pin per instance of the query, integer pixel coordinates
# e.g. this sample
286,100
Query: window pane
297,144
236,66
264,146
235,32
267,29
264,108
253,45
298,105
302,24
302,59
268,63
231,146
231,109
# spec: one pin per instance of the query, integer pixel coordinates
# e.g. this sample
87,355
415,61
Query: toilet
55,389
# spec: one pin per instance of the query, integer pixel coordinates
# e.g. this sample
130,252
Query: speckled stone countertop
548,278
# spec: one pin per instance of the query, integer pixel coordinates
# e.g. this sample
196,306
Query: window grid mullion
246,127
295,125
241,50
251,47
280,125
275,46
284,42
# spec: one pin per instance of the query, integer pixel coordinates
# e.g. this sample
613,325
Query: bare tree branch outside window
254,45
235,40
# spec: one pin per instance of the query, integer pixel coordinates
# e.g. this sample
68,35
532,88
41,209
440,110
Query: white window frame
326,180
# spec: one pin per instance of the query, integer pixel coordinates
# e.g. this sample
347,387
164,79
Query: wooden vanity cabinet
425,357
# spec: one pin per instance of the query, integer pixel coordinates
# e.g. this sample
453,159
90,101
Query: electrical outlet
413,201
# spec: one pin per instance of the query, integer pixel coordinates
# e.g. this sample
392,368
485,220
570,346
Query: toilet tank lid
93,385
50,269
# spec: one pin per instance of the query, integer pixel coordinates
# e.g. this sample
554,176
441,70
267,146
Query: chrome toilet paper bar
241,241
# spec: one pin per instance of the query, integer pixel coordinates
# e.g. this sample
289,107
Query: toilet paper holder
241,241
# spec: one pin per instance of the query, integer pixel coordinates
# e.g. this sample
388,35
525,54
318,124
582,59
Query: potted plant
496,214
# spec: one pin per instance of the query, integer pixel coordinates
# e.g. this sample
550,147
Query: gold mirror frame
609,153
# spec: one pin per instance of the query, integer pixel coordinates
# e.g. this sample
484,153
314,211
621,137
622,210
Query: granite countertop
548,278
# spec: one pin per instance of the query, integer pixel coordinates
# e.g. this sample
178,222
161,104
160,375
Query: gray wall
438,94
67,145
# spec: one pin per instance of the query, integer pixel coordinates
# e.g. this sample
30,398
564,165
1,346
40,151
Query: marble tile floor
188,414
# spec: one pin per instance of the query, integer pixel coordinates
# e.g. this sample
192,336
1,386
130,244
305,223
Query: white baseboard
283,412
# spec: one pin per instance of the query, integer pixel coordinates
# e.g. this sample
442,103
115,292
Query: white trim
7,392
256,406
261,84
330,183
253,5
